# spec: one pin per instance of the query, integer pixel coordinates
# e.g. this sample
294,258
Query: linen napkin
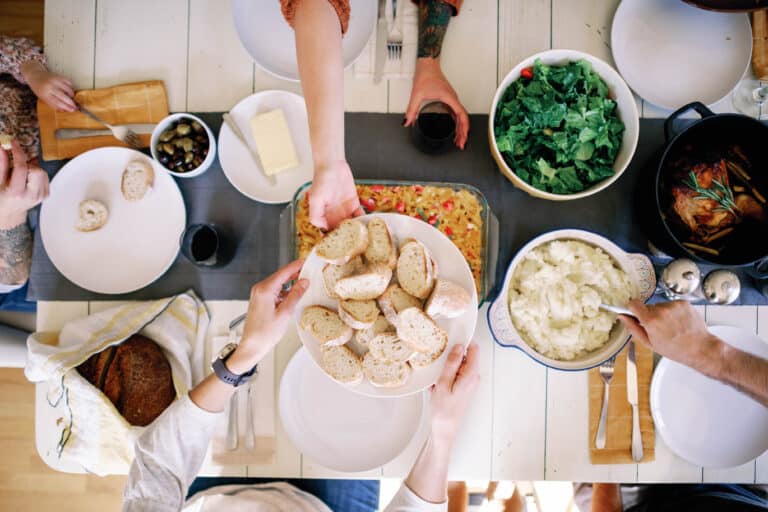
365,64
618,444
263,407
135,103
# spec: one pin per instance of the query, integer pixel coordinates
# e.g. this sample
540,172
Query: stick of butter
273,142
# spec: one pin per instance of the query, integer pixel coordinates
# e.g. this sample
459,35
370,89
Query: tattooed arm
429,83
15,254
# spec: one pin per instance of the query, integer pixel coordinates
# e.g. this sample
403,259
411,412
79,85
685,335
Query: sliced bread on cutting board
325,325
358,314
381,246
385,374
419,331
345,242
415,269
341,364
367,285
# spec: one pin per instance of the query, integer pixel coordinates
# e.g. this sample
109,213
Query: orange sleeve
456,4
341,6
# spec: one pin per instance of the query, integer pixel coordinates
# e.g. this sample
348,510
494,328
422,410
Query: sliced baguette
448,300
422,360
419,331
385,374
325,325
138,178
358,314
367,285
394,300
381,246
388,347
345,242
92,215
380,326
332,274
415,269
341,364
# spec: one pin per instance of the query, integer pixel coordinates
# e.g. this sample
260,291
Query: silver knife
381,43
233,433
77,133
239,134
250,428
637,437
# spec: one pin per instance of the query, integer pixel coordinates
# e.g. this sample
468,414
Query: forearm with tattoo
434,16
15,254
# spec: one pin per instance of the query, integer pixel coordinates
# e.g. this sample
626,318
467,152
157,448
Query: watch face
225,351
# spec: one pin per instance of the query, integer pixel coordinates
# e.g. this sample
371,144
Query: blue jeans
17,301
339,495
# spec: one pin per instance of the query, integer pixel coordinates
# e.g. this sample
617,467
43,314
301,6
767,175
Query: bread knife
229,121
637,437
77,133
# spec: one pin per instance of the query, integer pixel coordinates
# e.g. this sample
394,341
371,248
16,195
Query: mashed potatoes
555,293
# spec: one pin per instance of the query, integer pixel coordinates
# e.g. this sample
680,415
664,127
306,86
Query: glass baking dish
289,241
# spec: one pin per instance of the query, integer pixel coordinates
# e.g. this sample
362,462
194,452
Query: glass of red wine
435,128
206,245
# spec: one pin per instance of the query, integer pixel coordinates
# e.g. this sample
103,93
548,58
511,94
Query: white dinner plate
704,421
138,243
672,53
341,430
239,166
270,41
451,266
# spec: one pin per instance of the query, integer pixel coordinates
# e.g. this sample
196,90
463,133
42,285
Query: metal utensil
637,437
77,133
381,43
395,37
232,427
250,429
617,309
120,132
606,373
239,134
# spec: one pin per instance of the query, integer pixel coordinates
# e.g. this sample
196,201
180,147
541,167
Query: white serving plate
705,421
451,265
139,242
637,266
271,42
340,429
672,53
245,174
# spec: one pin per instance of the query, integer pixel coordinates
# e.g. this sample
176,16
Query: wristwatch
222,372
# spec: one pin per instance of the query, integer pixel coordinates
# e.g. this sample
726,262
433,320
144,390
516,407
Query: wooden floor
26,483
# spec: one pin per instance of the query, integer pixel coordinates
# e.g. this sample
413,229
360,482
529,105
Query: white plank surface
524,29
143,40
69,39
584,25
761,464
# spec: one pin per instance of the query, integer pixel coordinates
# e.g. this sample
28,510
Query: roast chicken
702,216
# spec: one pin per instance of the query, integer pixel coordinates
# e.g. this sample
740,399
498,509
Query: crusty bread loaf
388,347
381,246
138,178
367,285
385,374
325,325
422,360
93,215
135,376
332,274
415,269
381,325
448,299
394,300
341,364
358,314
419,331
345,242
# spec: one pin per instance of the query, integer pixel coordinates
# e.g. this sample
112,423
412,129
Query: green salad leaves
557,129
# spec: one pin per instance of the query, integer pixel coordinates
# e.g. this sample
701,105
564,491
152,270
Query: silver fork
121,133
606,372
395,36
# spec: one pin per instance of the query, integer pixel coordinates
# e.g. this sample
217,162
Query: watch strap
227,377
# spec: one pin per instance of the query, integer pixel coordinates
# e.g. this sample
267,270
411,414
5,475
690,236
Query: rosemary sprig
719,192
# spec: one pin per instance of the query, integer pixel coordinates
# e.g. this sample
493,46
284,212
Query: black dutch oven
747,246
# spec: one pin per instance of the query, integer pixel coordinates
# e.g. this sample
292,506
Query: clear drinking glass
435,128
206,245
750,98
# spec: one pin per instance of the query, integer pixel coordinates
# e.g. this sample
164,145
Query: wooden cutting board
136,103
760,44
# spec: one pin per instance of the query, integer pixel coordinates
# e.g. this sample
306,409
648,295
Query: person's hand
453,391
269,313
52,88
22,187
674,330
429,84
333,196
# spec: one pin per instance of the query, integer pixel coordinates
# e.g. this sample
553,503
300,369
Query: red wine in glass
435,128
206,245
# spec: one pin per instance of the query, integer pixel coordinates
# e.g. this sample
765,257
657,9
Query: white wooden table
527,422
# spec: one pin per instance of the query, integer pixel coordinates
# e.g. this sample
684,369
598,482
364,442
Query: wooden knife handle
760,44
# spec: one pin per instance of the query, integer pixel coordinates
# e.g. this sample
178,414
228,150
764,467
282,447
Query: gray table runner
377,148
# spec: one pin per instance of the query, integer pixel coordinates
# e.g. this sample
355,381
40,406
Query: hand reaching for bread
453,392
270,312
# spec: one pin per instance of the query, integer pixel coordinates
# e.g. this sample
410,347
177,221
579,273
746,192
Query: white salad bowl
619,92
637,266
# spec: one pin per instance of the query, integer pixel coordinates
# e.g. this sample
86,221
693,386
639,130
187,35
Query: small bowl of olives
184,145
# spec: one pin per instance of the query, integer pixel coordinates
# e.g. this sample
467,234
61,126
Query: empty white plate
271,43
339,429
672,53
245,173
704,421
